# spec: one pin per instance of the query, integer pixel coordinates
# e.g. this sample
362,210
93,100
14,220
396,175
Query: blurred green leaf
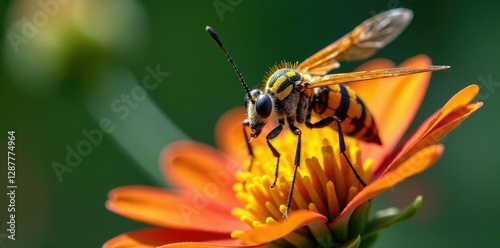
390,216
354,243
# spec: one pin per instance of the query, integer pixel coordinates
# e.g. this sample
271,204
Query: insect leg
295,130
327,121
271,135
246,124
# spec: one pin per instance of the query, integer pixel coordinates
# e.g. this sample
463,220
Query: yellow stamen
325,183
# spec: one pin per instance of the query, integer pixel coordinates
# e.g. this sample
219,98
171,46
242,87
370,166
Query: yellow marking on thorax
277,83
282,95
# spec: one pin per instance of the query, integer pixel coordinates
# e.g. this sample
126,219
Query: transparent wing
361,43
375,74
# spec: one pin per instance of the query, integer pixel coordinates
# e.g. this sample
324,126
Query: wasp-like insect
294,92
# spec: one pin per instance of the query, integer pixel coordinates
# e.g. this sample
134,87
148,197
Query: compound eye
263,106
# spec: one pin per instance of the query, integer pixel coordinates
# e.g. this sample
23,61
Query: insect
295,92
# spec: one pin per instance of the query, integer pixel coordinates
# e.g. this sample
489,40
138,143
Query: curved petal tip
273,231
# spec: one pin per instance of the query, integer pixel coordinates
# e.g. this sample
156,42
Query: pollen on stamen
314,196
274,210
333,203
325,183
317,174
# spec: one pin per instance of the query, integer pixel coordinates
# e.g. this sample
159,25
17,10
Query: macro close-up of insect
231,123
295,91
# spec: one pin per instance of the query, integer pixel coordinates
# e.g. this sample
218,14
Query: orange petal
274,231
402,101
418,163
370,90
198,167
459,100
154,237
394,105
455,111
212,244
374,64
436,134
229,134
155,206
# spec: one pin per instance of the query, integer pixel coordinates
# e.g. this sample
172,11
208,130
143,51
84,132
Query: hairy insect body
306,93
334,100
288,101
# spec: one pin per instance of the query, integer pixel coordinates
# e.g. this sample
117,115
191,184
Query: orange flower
216,203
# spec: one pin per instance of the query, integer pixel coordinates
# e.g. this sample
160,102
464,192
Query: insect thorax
288,101
281,82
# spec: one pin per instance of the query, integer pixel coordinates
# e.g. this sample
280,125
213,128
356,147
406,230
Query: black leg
246,123
295,130
327,121
271,135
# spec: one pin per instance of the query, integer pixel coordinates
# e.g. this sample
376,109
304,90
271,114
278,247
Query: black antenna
243,83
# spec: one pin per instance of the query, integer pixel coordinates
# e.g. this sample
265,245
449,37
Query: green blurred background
65,76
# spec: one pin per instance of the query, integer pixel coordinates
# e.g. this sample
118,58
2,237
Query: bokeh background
67,65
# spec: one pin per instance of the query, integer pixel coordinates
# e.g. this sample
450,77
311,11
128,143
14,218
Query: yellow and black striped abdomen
343,102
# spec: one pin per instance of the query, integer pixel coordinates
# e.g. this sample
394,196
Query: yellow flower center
325,183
